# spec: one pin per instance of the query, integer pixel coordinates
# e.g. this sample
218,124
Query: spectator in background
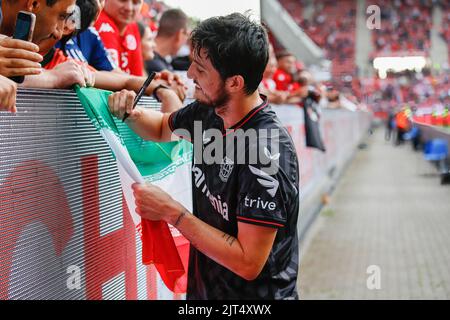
24,54
332,97
55,59
51,17
285,71
305,85
389,125
288,77
403,123
172,35
268,87
87,46
119,32
107,81
147,42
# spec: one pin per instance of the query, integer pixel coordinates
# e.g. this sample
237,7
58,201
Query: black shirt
242,190
157,64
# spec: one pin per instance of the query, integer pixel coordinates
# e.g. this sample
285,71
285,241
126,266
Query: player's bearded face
215,100
209,86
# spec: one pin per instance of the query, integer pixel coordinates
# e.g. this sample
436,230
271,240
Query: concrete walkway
387,211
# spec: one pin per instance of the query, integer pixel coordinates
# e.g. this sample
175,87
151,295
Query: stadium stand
332,27
405,27
445,30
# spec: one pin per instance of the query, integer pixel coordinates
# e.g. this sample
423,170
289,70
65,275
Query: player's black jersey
239,188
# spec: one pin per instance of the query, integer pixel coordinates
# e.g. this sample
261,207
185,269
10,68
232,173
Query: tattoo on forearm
228,239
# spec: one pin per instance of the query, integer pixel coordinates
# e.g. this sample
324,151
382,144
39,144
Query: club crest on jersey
226,167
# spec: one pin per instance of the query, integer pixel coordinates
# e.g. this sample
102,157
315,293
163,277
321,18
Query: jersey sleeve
266,196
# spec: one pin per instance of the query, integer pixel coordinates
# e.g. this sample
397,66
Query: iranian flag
162,164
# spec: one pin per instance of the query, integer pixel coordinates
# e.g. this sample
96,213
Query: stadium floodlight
398,64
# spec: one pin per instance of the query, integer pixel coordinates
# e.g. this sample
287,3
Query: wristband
155,91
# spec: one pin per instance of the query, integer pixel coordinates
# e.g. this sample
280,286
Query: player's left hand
153,203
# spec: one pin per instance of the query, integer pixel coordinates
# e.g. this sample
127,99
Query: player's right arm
148,124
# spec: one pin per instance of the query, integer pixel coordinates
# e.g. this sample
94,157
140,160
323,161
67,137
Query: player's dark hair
235,45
